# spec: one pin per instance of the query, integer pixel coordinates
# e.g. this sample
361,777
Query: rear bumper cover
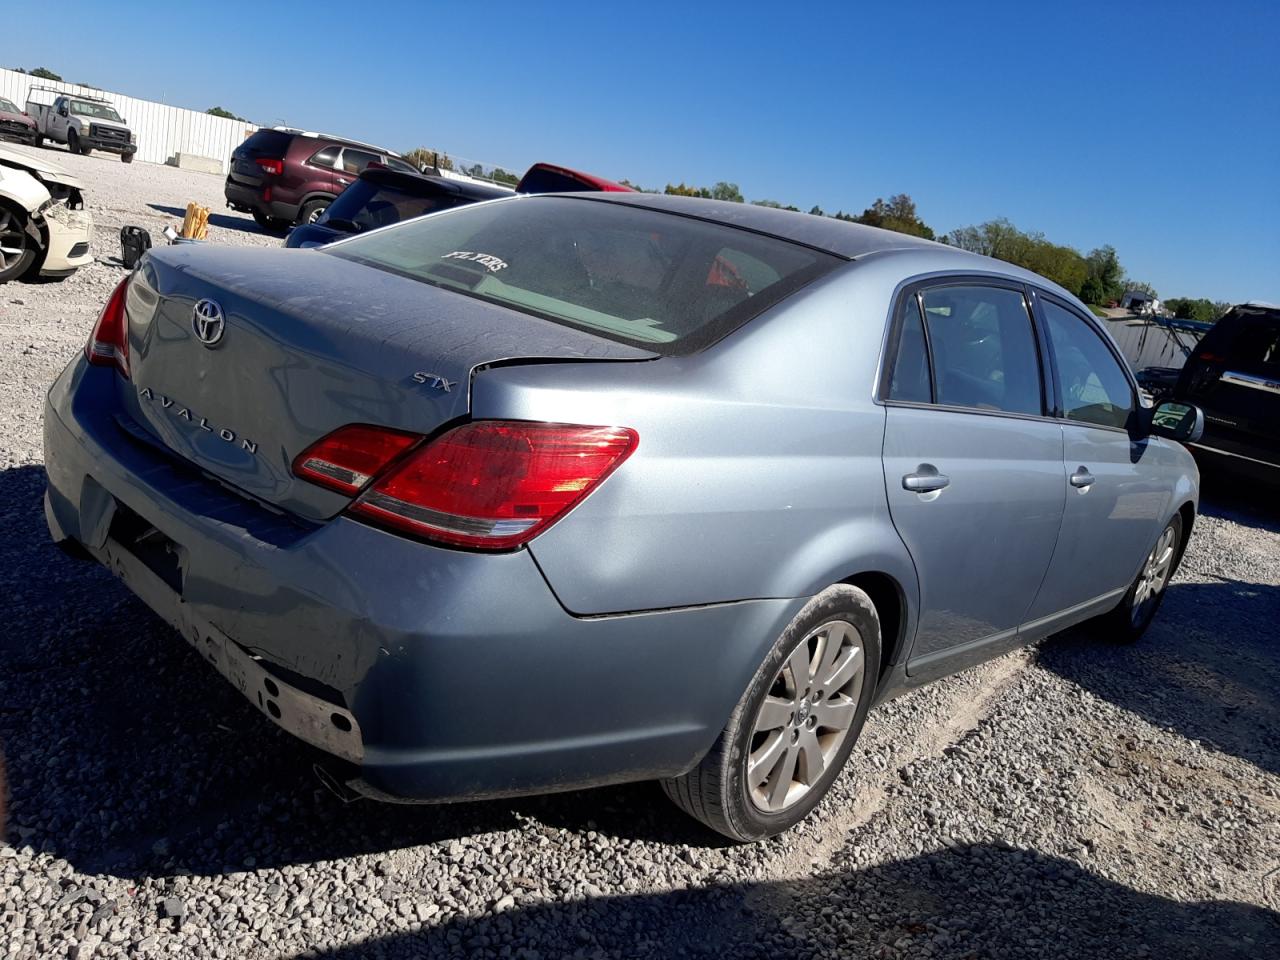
460,673
249,199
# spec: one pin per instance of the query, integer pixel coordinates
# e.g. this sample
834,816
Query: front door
1115,504
972,463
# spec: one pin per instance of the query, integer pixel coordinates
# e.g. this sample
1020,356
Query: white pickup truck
83,123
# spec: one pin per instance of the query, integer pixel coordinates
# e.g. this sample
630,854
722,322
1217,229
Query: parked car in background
550,178
84,123
1234,375
564,490
283,176
15,124
381,196
45,229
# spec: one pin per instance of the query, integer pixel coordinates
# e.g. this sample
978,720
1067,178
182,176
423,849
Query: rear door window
354,161
983,348
1094,386
395,163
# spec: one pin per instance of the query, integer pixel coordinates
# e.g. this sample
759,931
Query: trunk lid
310,342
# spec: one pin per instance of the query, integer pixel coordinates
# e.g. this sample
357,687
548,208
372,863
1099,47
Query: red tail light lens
347,459
108,345
270,166
495,484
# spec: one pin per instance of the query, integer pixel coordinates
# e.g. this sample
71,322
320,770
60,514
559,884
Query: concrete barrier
193,161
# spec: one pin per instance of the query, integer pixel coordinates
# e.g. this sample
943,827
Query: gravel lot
1070,801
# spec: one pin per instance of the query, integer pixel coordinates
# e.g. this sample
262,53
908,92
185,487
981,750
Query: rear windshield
668,283
273,143
366,205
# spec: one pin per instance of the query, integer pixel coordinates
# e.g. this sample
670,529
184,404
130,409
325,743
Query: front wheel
17,249
38,141
1129,621
793,729
126,158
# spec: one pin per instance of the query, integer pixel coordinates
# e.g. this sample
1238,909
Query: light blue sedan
556,491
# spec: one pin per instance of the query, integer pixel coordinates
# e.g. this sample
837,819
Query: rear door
352,163
1115,503
972,463
1234,375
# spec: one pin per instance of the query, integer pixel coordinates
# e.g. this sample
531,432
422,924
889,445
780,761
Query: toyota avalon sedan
564,490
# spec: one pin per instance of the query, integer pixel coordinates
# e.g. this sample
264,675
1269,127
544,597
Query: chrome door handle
926,479
1082,479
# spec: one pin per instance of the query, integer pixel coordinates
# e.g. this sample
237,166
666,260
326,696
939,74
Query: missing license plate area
158,553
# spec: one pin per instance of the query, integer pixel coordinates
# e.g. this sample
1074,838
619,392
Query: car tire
1130,619
126,158
270,224
758,780
312,209
20,250
38,141
73,142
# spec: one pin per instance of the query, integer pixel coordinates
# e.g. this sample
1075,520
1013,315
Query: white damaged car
45,229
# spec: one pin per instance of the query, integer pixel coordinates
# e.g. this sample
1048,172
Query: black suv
283,176
1234,376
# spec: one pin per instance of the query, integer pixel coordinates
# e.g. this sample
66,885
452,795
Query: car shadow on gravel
966,902
220,220
1208,667
127,755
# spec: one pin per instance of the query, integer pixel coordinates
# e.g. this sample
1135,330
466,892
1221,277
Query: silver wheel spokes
805,716
13,240
1155,574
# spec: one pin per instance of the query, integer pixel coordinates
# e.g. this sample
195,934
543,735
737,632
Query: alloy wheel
1155,574
13,240
805,717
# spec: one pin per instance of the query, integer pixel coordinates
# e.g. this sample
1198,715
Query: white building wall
161,130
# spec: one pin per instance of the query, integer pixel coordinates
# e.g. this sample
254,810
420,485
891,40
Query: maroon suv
284,176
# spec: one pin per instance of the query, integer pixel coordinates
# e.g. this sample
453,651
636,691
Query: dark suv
284,176
1234,376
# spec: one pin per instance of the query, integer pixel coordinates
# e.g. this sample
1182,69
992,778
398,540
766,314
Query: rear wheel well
890,604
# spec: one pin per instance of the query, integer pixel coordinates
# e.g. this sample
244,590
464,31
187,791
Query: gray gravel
1075,800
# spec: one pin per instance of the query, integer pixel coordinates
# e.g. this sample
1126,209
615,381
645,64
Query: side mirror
1183,422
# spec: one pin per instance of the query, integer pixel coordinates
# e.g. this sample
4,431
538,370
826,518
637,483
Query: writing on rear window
487,260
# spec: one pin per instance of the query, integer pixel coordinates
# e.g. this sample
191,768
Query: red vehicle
283,176
549,178
15,124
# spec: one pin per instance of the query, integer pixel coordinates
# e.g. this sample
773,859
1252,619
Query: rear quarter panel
758,469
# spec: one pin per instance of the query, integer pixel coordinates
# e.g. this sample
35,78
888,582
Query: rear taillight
347,459
490,484
270,166
108,345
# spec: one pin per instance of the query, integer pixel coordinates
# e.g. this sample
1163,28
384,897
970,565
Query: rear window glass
366,205
669,283
1257,349
264,142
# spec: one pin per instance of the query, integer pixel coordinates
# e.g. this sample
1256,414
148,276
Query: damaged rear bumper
460,674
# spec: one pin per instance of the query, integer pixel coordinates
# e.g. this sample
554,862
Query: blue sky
1153,127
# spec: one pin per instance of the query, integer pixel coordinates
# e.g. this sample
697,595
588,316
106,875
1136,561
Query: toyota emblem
208,322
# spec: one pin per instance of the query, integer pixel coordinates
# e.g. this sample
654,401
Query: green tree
680,190
1002,240
816,211
44,73
1105,279
1201,310
223,112
727,191
504,176
897,213
1140,286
